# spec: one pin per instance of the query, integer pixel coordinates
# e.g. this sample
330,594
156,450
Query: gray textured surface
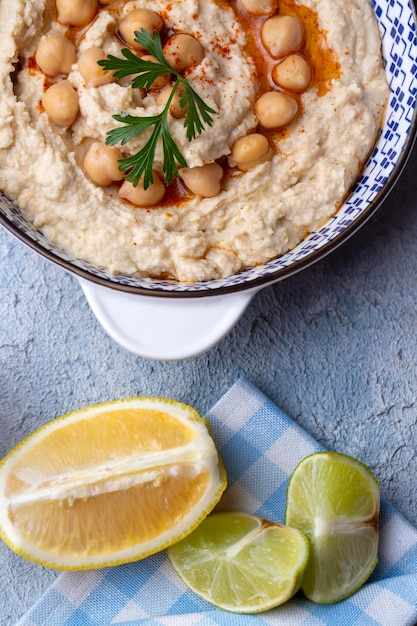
334,346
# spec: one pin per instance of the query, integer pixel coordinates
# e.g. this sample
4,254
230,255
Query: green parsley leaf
196,109
134,126
153,45
198,113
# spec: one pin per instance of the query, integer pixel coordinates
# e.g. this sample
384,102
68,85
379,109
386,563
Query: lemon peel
109,484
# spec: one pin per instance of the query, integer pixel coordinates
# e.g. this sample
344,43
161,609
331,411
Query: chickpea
162,80
93,74
293,73
249,151
76,12
60,102
175,108
282,35
274,109
55,54
101,164
183,52
260,7
204,181
135,21
143,197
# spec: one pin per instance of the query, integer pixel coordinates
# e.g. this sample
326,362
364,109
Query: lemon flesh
334,500
109,484
241,563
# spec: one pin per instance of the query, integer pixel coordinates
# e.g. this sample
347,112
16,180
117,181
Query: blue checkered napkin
260,447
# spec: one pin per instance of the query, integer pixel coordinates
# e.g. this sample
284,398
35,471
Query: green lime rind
241,563
334,499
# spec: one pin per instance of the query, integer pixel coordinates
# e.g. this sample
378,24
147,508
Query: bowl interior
397,23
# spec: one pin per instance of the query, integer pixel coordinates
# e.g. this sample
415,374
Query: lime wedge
334,500
241,563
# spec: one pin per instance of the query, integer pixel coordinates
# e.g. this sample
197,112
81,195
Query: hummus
258,214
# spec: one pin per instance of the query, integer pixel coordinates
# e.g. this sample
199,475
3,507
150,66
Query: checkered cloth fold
260,446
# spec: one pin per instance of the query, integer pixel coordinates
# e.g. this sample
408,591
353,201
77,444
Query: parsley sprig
198,113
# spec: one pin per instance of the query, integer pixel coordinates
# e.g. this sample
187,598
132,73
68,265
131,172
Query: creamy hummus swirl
226,80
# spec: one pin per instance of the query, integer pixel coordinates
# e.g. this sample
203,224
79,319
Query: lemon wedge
109,484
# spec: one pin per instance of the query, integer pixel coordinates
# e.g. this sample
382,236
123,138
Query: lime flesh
334,500
241,563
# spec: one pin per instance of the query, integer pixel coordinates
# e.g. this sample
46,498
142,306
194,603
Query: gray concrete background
335,346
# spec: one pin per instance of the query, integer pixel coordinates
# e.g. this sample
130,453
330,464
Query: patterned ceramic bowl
397,22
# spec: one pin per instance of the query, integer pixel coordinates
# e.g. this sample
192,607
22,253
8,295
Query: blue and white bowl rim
397,22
